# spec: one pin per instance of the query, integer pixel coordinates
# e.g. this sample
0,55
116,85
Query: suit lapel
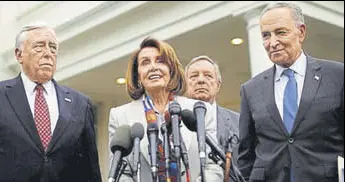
268,92
17,97
222,121
311,85
65,103
137,114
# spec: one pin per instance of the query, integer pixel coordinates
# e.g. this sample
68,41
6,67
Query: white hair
204,57
21,36
297,13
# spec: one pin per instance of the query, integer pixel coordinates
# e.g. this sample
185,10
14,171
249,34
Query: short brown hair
177,80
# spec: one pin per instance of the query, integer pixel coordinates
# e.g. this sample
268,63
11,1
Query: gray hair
297,13
203,57
21,36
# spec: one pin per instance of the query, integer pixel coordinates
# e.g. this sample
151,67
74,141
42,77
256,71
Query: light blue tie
290,100
290,105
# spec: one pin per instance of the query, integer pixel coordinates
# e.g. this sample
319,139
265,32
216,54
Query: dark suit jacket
317,138
71,155
227,122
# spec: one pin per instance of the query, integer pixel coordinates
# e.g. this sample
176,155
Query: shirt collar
214,105
299,66
30,85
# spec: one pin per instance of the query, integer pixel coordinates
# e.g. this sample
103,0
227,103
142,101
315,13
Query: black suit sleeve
246,149
91,147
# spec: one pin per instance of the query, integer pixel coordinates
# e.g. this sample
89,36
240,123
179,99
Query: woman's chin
155,87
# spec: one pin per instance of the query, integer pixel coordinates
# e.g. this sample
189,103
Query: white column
259,60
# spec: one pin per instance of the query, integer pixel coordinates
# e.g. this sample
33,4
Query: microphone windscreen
122,140
137,130
189,119
200,104
174,108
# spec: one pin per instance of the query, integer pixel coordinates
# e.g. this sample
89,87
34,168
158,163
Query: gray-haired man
204,80
46,130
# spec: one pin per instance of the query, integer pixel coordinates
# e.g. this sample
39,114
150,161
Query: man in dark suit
46,130
292,114
204,80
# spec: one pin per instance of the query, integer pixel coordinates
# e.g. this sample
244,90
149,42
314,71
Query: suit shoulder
333,69
123,108
233,114
5,83
228,110
331,65
253,82
79,95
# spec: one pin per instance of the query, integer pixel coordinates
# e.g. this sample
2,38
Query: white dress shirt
281,80
49,95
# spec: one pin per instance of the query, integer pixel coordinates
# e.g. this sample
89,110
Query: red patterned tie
42,118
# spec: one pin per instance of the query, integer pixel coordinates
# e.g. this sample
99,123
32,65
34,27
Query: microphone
164,131
175,112
183,147
189,121
120,145
199,112
137,133
232,140
214,147
152,133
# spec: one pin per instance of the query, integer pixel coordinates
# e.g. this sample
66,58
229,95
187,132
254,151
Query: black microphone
137,133
190,122
183,148
199,112
165,133
189,119
175,112
120,145
214,147
152,133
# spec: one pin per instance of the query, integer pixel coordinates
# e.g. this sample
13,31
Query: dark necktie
290,100
42,117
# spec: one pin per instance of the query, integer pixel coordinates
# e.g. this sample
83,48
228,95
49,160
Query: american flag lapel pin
68,100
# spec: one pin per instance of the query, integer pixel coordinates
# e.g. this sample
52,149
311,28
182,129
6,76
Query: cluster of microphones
127,140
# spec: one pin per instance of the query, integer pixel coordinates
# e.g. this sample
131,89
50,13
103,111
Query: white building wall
110,30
